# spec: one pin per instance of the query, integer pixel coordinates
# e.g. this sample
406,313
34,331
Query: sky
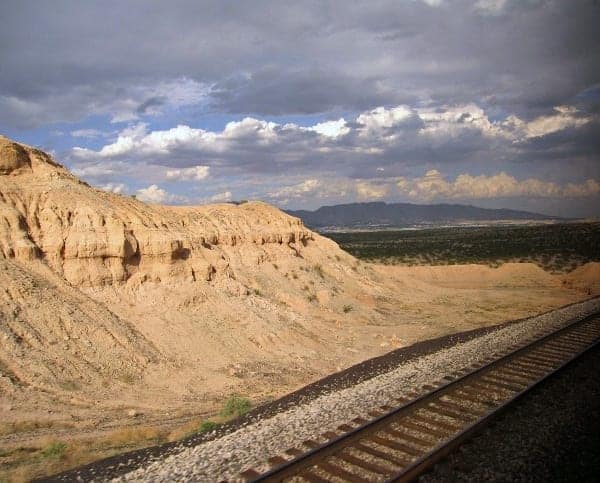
494,103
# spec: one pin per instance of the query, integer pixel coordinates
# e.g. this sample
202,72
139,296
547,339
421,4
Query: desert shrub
257,292
54,450
319,270
236,406
133,434
347,308
311,297
206,426
69,385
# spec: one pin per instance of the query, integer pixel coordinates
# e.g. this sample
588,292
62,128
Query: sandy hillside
107,303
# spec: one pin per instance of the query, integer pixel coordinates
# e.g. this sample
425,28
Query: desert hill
103,294
381,214
107,303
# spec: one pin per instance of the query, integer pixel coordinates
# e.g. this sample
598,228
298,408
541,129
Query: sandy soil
432,301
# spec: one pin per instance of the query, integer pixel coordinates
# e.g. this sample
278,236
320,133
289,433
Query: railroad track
399,443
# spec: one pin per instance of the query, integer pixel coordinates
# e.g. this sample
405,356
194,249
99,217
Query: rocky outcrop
13,157
52,336
83,272
93,238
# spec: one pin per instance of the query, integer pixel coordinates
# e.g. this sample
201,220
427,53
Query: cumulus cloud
370,191
154,194
331,129
195,173
100,171
434,186
296,191
118,188
450,121
374,121
564,117
221,197
386,136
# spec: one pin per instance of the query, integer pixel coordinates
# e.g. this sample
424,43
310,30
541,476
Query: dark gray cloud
63,60
311,91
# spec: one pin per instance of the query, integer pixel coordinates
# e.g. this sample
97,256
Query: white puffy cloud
327,189
340,161
221,197
450,121
250,127
372,122
373,133
565,117
434,186
118,188
370,191
195,173
154,194
332,129
297,190
99,170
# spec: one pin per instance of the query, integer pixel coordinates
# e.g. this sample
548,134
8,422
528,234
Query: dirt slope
100,286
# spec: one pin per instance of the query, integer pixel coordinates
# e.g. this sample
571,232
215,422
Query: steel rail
534,362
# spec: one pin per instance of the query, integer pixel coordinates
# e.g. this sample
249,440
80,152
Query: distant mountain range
383,215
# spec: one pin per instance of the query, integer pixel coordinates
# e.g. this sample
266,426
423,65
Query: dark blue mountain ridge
382,214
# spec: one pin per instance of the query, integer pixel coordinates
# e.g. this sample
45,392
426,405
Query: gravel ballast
260,438
551,435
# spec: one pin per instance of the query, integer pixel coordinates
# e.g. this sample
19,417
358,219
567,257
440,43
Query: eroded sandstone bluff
93,238
103,295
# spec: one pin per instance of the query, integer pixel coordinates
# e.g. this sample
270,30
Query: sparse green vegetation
556,247
257,292
235,406
347,308
56,449
311,297
206,426
43,456
69,385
